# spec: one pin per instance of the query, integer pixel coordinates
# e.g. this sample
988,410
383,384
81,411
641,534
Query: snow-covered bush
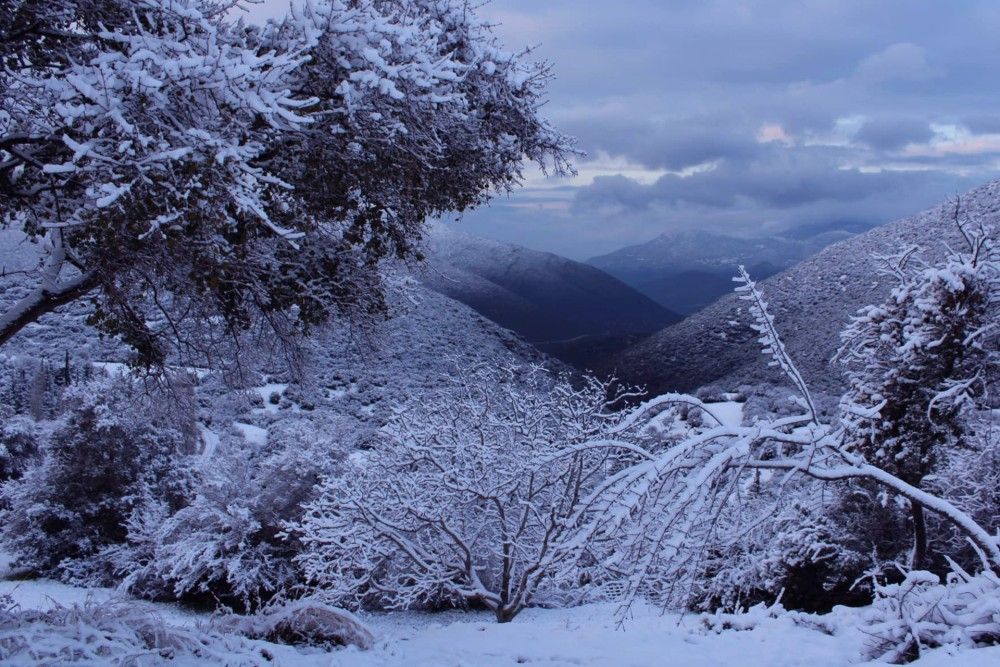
919,363
212,548
922,613
116,632
100,463
970,476
303,621
794,550
465,498
227,544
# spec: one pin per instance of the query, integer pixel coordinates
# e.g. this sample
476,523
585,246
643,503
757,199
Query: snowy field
584,636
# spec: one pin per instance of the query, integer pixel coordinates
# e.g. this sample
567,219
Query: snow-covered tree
201,179
465,498
18,446
103,459
227,543
919,363
662,513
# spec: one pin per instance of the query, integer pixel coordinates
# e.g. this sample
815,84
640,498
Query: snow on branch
464,500
656,513
769,339
203,170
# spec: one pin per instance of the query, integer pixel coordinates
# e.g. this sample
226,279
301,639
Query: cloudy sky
750,116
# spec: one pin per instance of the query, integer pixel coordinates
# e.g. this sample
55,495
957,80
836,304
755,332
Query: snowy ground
590,636
587,636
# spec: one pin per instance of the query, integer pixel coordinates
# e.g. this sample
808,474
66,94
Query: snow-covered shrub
303,621
116,632
970,476
227,544
465,498
100,463
796,551
922,613
19,446
212,548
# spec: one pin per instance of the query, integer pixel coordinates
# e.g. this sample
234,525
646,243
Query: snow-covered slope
351,371
424,327
426,338
569,309
685,271
811,302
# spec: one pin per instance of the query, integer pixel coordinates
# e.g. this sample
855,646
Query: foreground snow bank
122,631
47,622
586,636
112,633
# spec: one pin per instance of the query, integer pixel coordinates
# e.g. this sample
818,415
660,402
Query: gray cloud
898,62
777,180
891,133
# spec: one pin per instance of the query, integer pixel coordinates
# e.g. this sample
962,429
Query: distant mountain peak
685,270
570,309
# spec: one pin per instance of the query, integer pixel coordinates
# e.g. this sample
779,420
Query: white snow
209,439
255,435
587,636
729,413
44,595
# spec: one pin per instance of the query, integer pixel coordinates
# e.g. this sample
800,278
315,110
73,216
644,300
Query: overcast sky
750,116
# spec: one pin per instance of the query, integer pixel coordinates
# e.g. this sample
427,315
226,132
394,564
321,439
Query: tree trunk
506,613
919,558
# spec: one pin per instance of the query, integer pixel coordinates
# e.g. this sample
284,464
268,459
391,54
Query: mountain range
684,271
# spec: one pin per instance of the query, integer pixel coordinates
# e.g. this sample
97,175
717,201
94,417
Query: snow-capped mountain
685,271
571,310
811,302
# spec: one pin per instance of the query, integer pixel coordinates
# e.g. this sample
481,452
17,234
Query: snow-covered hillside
349,370
571,310
812,302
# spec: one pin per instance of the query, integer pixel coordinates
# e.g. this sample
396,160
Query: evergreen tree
918,361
